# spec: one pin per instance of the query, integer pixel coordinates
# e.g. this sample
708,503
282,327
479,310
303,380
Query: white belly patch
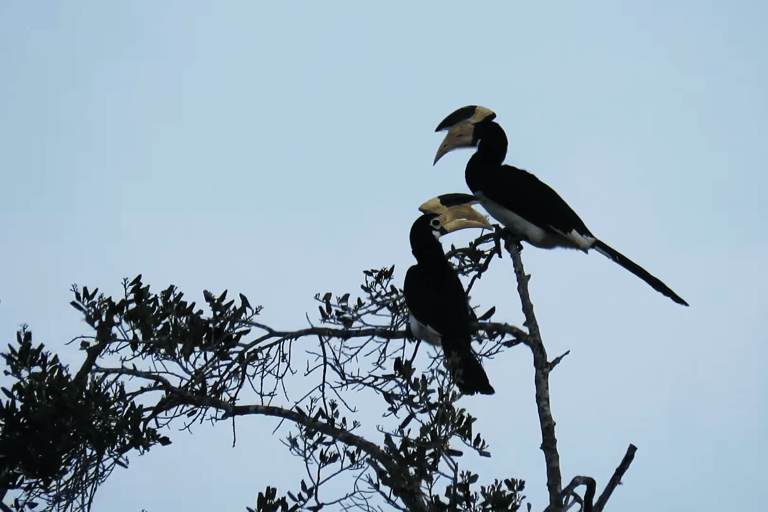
425,332
531,232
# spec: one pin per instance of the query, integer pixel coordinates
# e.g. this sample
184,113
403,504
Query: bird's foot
512,243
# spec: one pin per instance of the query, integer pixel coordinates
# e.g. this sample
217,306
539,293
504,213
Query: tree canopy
156,360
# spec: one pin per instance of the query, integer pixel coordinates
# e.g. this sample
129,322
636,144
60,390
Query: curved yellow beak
460,135
456,212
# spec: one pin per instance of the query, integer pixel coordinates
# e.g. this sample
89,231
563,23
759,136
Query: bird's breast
518,225
424,332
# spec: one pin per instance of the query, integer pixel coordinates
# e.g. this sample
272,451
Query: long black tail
467,371
636,269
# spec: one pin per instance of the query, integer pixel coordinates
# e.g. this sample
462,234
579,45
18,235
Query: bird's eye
435,223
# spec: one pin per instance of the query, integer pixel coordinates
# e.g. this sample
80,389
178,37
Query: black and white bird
525,206
436,300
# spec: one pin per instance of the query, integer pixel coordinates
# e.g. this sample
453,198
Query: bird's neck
490,154
430,255
492,148
481,168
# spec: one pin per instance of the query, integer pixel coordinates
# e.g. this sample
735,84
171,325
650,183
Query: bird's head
445,214
466,128
455,212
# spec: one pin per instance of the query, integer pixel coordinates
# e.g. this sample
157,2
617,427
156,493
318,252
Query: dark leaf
406,421
487,315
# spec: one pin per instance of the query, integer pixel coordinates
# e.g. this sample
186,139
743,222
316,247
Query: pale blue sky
278,149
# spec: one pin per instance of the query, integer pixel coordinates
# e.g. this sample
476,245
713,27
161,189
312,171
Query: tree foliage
156,360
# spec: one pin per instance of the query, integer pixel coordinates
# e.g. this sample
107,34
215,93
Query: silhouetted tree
155,359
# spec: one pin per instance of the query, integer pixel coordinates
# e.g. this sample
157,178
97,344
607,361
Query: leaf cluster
61,437
155,359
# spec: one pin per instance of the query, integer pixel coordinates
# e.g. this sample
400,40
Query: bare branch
378,332
616,478
557,360
491,328
570,492
541,380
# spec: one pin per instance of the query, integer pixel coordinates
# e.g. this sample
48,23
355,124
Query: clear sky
280,148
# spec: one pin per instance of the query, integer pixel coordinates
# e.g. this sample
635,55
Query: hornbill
439,311
525,206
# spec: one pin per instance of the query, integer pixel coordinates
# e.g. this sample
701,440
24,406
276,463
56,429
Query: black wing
437,299
527,196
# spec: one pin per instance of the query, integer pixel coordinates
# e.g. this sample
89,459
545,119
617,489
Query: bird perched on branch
525,206
439,311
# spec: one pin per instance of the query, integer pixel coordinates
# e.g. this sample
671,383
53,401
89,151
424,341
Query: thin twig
557,360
